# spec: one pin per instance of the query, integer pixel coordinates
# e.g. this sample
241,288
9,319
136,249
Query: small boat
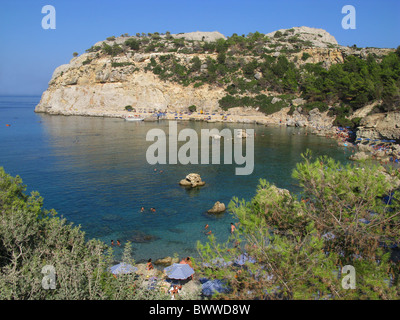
134,118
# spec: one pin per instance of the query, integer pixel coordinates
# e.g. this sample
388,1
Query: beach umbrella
180,271
218,263
243,258
214,286
122,268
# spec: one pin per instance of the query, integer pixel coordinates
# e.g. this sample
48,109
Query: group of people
208,232
151,209
118,243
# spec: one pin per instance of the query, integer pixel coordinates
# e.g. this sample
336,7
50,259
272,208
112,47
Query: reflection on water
94,172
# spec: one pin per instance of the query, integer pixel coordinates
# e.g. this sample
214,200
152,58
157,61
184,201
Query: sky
29,54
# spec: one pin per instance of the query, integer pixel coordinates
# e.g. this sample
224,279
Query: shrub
297,243
305,56
133,44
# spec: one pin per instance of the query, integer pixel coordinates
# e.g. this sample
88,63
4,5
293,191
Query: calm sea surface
93,171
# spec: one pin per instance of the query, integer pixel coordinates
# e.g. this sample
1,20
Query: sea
94,172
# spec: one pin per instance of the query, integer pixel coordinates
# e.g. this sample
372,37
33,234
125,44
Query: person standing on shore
149,265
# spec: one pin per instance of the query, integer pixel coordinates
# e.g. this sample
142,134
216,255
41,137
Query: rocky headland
198,76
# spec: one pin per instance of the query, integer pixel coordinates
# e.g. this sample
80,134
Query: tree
32,237
221,58
75,54
296,245
132,43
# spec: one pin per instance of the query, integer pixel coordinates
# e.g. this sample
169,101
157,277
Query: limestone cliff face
380,126
98,88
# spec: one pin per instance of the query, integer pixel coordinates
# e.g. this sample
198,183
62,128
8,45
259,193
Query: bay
93,171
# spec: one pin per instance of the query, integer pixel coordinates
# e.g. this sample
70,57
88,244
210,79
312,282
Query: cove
93,172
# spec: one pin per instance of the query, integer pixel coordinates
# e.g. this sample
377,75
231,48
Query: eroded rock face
380,126
96,84
319,37
217,208
192,180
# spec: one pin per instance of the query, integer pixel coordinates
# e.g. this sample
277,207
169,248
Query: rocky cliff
114,73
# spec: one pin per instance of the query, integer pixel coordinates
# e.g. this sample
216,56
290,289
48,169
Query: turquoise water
93,171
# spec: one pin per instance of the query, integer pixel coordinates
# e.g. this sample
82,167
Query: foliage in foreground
299,246
31,238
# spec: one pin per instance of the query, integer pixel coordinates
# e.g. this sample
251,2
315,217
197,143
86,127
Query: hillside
276,72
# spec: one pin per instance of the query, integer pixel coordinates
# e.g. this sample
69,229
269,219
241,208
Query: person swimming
233,228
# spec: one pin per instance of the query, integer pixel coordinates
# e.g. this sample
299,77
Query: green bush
133,44
32,238
305,56
299,242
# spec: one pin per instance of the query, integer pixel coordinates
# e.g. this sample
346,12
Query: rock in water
217,208
192,180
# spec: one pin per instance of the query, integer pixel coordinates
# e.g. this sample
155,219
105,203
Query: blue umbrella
218,263
179,271
123,268
214,286
243,258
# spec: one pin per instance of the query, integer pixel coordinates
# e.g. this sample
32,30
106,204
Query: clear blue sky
29,54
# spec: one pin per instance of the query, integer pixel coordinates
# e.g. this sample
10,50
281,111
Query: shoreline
390,152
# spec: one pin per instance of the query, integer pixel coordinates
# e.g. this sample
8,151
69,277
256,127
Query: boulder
167,261
217,208
298,102
193,180
275,100
359,156
258,75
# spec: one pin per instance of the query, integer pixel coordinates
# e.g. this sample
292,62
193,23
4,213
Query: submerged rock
141,237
